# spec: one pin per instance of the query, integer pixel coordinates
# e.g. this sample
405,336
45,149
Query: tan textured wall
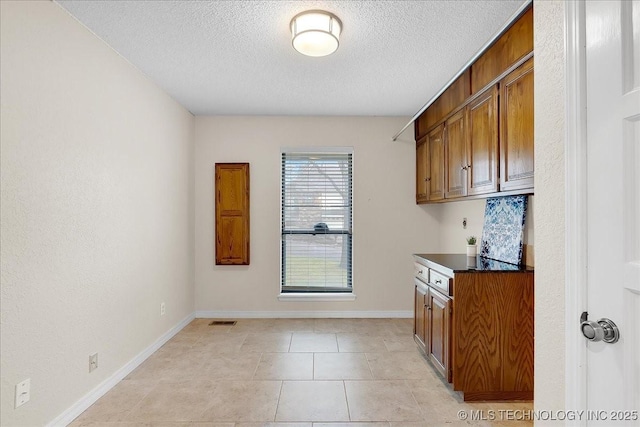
388,225
453,235
96,209
550,203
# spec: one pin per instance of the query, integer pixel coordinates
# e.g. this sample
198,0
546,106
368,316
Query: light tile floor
293,373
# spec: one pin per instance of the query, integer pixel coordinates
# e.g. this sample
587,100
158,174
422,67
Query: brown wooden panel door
435,170
516,129
232,213
482,172
422,161
455,151
419,318
513,45
439,332
517,337
493,329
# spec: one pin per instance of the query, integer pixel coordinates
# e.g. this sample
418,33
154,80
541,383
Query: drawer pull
438,282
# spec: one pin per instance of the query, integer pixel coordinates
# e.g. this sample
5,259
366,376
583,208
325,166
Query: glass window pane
316,222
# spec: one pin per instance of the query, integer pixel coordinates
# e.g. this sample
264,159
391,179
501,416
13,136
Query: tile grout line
255,371
373,377
275,415
346,399
424,417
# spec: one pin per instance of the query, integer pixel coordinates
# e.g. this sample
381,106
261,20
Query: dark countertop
460,263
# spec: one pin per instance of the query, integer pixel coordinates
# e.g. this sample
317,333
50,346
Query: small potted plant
472,249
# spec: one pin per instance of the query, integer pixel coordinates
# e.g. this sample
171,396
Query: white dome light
316,32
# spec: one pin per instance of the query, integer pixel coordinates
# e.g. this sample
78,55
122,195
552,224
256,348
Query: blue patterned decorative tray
503,231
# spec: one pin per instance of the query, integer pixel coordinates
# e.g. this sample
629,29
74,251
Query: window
316,227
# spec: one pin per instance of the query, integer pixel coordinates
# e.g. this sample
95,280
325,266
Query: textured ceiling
235,57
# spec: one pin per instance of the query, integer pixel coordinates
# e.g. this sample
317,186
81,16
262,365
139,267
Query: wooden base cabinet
432,326
419,320
476,329
439,324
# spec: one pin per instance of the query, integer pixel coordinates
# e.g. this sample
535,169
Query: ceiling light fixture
316,32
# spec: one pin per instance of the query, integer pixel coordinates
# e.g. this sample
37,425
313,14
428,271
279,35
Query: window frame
309,294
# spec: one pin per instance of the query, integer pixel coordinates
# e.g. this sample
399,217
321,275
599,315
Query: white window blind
317,222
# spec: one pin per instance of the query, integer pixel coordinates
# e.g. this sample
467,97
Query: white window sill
306,296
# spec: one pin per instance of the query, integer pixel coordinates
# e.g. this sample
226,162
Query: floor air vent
222,322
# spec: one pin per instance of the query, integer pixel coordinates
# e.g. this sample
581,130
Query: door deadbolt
602,330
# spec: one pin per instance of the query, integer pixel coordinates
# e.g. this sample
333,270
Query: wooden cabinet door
513,45
439,332
516,129
419,317
435,167
455,151
232,213
482,169
422,161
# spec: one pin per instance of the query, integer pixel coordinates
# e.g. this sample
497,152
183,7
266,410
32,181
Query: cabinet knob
463,168
427,179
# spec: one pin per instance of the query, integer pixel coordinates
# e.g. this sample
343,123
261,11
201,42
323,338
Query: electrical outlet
93,362
162,309
23,392
464,223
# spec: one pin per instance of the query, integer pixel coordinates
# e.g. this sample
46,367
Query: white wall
96,208
550,204
388,225
453,235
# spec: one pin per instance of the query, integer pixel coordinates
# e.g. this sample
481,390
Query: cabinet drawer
421,272
439,281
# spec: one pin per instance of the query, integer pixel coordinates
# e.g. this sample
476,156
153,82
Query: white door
613,207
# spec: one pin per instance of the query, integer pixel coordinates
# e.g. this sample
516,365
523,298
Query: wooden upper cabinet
482,173
479,131
450,99
232,213
513,45
422,162
516,129
455,151
435,164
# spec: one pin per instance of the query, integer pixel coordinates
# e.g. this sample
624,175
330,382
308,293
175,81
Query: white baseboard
328,314
90,398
